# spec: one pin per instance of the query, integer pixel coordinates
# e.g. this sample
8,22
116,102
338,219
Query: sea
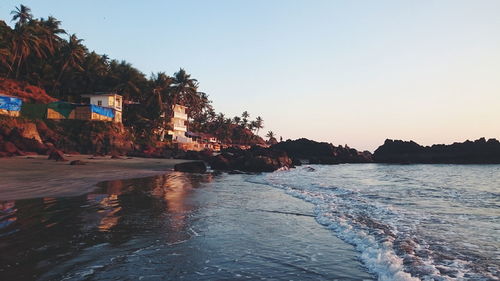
314,222
408,222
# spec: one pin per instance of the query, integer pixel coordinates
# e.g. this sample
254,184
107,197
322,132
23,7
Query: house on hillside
105,106
179,125
10,106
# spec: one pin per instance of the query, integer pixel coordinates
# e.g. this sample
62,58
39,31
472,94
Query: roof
100,94
178,105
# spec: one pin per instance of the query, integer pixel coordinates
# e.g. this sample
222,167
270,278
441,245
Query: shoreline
177,226
34,176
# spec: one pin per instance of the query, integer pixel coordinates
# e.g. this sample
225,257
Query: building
106,100
179,125
10,106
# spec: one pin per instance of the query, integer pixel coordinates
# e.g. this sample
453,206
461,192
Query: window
99,102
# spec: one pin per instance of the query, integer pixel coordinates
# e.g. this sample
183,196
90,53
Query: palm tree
259,123
72,55
183,89
22,14
126,80
270,135
95,67
25,42
5,51
51,30
244,118
236,120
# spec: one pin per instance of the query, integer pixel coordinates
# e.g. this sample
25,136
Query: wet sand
35,176
172,227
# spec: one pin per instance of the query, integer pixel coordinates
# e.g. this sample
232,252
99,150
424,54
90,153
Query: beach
175,226
34,176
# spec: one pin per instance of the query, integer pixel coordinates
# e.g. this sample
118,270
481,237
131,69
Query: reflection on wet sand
37,234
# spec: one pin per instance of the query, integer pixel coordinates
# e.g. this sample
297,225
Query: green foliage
41,53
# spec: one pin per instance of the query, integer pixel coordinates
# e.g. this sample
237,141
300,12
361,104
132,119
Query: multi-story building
179,124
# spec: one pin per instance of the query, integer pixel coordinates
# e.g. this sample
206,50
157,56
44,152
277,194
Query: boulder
261,164
10,147
191,167
219,162
56,155
77,162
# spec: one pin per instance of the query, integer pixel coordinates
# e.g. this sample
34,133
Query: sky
346,72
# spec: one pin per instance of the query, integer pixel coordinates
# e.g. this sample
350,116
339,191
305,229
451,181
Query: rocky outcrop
191,167
256,159
70,136
480,151
313,152
56,155
25,91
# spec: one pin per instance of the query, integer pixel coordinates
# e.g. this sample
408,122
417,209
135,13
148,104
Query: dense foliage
40,52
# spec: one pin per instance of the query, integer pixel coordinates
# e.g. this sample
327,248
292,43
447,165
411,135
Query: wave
386,237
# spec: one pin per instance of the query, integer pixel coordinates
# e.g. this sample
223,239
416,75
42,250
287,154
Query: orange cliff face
28,93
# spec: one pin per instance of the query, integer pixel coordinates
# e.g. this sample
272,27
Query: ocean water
407,222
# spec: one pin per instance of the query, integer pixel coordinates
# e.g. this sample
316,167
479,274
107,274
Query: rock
310,169
34,146
261,164
479,151
56,155
77,162
296,161
10,148
191,167
322,152
219,162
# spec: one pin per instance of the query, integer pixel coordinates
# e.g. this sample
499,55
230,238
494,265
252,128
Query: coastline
174,226
35,176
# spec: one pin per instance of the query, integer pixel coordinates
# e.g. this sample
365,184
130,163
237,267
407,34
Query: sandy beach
34,176
177,226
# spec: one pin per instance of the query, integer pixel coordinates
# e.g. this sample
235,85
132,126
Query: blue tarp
102,110
10,103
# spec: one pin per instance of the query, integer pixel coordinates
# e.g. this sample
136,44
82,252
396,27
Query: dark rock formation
56,155
191,167
477,152
256,159
10,148
321,152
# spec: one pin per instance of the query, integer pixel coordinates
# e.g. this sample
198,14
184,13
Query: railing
180,115
180,128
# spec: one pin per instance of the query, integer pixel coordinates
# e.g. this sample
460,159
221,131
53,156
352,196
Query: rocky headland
480,151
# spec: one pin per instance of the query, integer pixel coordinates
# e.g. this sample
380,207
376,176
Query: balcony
180,128
180,115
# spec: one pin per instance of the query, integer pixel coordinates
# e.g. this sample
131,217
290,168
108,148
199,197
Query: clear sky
347,72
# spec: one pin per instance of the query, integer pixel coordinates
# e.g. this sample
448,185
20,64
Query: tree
259,123
72,55
22,14
244,118
270,135
184,89
24,43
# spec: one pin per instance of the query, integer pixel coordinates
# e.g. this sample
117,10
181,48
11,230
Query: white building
179,124
109,100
